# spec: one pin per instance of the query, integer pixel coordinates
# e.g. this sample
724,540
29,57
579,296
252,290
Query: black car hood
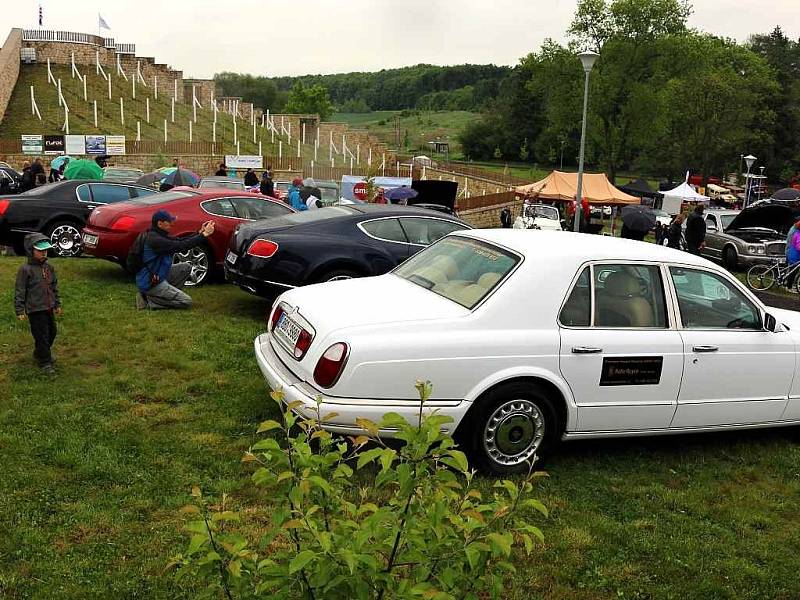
769,216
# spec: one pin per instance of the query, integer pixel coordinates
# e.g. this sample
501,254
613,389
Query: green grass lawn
422,127
97,462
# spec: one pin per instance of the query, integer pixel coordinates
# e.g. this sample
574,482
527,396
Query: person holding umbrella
637,220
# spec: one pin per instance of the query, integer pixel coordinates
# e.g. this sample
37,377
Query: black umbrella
638,218
151,178
786,194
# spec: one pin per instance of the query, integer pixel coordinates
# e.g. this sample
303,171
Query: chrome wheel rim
197,259
66,240
513,432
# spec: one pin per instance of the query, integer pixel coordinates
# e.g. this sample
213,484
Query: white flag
102,22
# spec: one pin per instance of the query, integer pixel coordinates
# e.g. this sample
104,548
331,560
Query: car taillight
276,315
3,206
331,364
123,223
262,248
302,344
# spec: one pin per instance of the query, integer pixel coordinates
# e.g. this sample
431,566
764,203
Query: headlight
762,250
751,249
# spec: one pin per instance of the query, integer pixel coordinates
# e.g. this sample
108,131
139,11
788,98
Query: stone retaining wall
9,68
488,217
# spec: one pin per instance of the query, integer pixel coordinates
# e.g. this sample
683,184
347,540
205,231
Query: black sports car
338,242
59,211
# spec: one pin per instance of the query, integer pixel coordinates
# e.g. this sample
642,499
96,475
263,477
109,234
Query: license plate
231,257
89,239
288,330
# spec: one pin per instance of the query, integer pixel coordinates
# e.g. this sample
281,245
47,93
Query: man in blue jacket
294,195
159,281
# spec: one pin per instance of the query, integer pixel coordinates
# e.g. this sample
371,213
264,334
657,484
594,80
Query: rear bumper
253,285
279,377
111,246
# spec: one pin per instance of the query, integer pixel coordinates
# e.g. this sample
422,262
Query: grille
776,248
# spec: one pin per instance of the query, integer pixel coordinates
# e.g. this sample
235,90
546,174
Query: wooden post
155,86
254,131
95,113
259,149
235,133
147,108
369,158
280,149
174,91
165,131
138,131
85,97
172,104
238,150
122,111
133,86
304,133
214,132
190,132
109,85
33,103
59,91
298,148
358,154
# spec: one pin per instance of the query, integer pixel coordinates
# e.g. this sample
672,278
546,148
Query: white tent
675,197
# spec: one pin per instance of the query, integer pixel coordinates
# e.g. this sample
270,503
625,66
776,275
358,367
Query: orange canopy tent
560,186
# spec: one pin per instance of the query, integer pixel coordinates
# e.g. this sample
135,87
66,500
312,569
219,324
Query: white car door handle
586,350
705,348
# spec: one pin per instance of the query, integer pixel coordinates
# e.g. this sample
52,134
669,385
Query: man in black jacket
695,230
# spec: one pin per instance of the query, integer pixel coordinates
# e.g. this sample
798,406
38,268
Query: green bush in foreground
413,526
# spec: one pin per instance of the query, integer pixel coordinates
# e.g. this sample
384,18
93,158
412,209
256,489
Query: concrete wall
9,68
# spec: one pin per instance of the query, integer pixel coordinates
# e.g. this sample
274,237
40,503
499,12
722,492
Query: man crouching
159,281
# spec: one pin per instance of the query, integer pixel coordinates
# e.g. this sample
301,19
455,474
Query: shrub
409,523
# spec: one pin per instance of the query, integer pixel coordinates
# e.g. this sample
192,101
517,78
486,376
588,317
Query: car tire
200,259
730,259
512,424
337,275
66,238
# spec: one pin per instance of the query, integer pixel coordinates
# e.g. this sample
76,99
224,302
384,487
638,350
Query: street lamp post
748,160
588,59
760,182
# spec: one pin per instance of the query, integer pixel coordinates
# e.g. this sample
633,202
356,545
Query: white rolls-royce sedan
532,339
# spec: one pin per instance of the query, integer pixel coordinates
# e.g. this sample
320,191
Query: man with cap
294,195
36,299
159,281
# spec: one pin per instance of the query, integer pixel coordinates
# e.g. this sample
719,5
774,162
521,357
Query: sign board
95,144
115,144
244,161
349,183
54,144
360,190
75,144
32,144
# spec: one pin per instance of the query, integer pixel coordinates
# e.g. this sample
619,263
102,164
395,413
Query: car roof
393,210
577,248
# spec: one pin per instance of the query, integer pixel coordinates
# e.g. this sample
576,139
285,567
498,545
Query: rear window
164,197
459,269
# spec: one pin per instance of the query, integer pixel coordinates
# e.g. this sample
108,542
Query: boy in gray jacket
36,299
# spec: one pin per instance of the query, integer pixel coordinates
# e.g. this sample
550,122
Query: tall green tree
309,100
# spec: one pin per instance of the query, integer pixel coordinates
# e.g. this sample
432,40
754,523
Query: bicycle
763,277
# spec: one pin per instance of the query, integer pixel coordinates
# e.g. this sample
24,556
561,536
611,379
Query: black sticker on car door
633,370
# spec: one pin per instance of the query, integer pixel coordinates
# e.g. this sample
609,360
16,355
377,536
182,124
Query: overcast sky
295,37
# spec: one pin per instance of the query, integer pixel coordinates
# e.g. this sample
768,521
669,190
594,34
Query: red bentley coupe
111,229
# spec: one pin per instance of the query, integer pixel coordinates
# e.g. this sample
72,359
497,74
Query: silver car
741,239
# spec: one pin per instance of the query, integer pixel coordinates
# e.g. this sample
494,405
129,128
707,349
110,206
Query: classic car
539,216
111,230
532,339
60,211
10,180
741,239
336,242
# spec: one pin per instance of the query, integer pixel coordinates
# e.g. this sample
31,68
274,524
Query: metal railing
49,35
126,48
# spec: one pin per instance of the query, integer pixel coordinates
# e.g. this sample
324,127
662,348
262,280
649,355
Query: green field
98,461
422,127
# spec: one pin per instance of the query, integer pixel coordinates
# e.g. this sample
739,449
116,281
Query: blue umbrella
58,161
182,177
400,193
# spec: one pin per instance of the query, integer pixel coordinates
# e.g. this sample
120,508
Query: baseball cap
162,215
42,245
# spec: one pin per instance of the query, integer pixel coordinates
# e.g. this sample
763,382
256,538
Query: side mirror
711,228
770,324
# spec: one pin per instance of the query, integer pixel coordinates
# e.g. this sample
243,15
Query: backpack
135,261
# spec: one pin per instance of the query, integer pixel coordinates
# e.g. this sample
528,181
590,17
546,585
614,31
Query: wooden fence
484,201
479,173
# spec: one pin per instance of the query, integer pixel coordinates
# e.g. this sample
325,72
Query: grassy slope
19,120
422,127
98,462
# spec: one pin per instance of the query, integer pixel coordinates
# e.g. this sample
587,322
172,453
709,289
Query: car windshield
726,220
544,212
108,173
164,197
459,269
216,183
